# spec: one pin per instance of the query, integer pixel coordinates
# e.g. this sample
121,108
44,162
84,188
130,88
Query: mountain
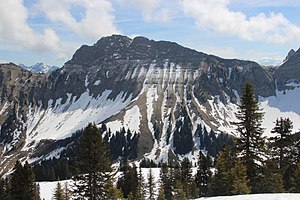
39,68
164,95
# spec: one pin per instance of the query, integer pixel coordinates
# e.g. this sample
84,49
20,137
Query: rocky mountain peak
290,54
289,71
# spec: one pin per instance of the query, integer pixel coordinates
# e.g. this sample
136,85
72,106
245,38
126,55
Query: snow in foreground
275,196
47,189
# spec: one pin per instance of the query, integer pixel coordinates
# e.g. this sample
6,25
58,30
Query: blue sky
50,31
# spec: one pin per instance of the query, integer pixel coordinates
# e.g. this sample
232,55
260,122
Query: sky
50,31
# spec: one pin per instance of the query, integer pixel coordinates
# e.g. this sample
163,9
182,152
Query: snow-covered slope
161,90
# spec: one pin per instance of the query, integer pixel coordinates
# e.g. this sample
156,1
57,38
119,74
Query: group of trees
251,164
256,164
20,185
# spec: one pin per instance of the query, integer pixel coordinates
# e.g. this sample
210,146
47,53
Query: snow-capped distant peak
39,68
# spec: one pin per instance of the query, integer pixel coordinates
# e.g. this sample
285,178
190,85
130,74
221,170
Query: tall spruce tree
166,179
151,184
23,183
250,143
282,142
240,182
58,193
186,176
203,175
221,184
94,166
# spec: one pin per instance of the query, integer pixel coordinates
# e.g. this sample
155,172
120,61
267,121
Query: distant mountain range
39,68
163,94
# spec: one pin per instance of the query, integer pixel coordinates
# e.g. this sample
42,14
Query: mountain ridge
161,90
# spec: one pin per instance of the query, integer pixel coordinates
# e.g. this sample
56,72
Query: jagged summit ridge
117,47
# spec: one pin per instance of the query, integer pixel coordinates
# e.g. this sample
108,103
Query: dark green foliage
186,177
122,144
147,163
270,180
53,169
203,175
212,142
222,180
282,142
183,139
250,143
58,192
128,182
240,182
150,184
23,183
295,180
5,189
94,166
284,149
166,178
179,191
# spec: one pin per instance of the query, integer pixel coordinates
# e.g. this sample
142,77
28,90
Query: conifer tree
295,180
250,143
166,181
271,179
240,183
150,184
23,183
5,189
94,166
58,192
221,184
179,193
67,192
203,175
161,193
186,177
282,142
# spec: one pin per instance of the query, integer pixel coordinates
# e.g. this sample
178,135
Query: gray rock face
288,71
119,78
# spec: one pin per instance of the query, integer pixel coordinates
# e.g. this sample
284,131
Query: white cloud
97,19
267,3
215,15
15,31
154,10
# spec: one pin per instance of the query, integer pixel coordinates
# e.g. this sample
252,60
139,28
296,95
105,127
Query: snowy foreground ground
47,189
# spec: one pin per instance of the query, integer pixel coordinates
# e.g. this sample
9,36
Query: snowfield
275,196
47,190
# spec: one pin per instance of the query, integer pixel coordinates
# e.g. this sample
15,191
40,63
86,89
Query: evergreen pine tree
186,177
150,184
94,166
240,183
179,193
58,193
250,143
282,141
284,150
295,180
161,193
221,184
67,192
5,189
271,179
203,175
23,183
166,181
